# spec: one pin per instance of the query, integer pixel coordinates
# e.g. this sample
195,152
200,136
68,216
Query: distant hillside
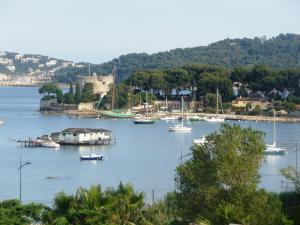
279,52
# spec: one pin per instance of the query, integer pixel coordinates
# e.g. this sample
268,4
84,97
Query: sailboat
273,149
114,113
144,119
180,127
168,117
217,118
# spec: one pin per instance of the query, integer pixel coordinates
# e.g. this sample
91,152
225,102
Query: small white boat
46,141
170,118
180,127
1,122
200,141
215,119
49,144
91,157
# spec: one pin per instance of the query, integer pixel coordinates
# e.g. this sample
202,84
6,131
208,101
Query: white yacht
216,118
180,127
46,141
273,149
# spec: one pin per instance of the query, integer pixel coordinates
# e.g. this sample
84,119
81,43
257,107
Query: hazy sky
98,30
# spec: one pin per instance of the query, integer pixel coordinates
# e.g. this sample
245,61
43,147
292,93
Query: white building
77,136
11,68
51,62
67,64
18,56
5,61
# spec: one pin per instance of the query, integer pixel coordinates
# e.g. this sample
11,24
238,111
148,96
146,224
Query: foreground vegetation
216,186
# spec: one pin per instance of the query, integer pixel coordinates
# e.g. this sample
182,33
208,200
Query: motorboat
170,118
49,144
180,127
91,157
200,141
214,119
46,141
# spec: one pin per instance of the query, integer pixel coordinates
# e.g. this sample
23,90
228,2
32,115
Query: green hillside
279,52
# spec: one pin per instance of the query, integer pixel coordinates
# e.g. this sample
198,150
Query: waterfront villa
83,136
242,102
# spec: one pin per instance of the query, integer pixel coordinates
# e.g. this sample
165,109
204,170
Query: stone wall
102,84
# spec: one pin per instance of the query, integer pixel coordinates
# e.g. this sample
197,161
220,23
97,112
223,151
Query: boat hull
112,114
144,122
98,157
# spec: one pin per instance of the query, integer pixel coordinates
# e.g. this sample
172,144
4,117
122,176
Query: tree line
218,185
282,51
51,91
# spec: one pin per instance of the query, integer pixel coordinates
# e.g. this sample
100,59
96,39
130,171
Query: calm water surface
144,155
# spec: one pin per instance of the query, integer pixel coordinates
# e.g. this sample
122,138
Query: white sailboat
216,118
180,127
144,119
273,149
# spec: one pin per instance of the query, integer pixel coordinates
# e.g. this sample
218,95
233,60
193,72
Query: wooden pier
31,143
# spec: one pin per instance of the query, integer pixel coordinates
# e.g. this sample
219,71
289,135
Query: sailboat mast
166,105
274,128
130,96
182,111
146,103
113,89
217,112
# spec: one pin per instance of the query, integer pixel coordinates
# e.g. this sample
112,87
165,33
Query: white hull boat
275,150
180,128
214,119
91,157
170,118
49,144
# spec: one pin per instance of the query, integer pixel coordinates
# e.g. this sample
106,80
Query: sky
99,30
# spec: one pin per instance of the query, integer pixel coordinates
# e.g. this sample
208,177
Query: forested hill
280,52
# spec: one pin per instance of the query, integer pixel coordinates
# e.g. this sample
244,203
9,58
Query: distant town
30,69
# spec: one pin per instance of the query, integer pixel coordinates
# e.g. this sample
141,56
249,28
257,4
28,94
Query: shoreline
97,114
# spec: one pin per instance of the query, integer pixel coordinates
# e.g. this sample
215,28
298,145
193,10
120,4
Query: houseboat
83,136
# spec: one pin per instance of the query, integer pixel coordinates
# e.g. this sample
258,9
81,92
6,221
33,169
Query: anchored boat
273,149
91,157
180,127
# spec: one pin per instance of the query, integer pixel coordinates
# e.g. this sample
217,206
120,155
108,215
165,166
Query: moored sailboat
216,118
273,149
180,127
144,119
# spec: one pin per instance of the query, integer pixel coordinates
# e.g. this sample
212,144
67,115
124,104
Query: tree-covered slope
280,52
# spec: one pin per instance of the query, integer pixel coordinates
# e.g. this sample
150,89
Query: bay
144,155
